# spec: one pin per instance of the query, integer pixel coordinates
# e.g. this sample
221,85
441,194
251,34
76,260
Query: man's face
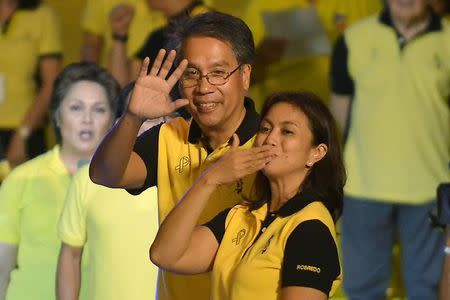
408,10
215,107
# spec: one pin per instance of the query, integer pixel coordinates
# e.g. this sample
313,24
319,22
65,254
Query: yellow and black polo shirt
398,143
175,155
261,252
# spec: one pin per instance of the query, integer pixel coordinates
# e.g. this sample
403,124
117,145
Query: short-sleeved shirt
31,201
261,252
398,142
175,155
118,230
28,36
95,19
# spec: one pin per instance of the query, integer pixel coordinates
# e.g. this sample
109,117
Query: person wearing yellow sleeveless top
215,55
282,243
307,71
392,72
98,37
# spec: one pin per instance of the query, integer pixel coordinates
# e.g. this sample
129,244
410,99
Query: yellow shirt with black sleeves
175,155
261,252
398,144
304,72
31,201
29,35
95,19
118,229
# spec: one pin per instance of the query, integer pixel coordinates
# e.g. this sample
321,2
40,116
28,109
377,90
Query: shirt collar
245,131
298,202
434,25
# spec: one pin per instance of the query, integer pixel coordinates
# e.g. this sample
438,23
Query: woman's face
287,129
85,116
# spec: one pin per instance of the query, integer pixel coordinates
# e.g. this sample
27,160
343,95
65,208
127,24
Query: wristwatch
24,132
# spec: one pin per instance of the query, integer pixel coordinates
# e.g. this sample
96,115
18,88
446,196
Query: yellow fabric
69,13
309,72
180,163
398,146
118,229
95,19
29,35
240,270
31,201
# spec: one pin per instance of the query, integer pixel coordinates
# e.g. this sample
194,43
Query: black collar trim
298,202
245,131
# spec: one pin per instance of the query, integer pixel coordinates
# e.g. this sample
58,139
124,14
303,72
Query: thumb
235,143
179,103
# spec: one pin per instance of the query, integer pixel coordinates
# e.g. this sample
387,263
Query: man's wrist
123,38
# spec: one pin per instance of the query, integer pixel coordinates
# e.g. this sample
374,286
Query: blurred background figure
392,72
294,39
441,7
125,65
98,37
32,196
117,251
30,59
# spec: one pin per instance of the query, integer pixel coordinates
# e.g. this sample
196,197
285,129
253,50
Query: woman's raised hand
151,94
238,163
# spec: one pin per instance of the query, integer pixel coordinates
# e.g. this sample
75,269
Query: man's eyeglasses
191,77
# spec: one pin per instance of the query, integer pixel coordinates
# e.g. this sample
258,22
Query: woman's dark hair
28,4
74,73
224,27
326,177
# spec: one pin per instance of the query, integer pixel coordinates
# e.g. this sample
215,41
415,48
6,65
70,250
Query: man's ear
246,72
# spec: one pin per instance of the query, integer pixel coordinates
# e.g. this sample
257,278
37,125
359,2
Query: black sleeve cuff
146,147
341,81
311,257
217,224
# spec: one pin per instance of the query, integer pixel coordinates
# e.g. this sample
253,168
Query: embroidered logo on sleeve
308,268
184,162
238,237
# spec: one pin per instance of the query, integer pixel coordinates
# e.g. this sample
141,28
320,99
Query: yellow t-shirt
118,229
31,201
29,35
304,72
95,19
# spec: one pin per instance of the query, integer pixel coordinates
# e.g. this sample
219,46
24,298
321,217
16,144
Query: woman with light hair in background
32,196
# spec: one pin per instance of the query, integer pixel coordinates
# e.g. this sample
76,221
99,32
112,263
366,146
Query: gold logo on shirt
184,162
238,237
308,268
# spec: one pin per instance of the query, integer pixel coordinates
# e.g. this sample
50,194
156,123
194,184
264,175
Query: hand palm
151,94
